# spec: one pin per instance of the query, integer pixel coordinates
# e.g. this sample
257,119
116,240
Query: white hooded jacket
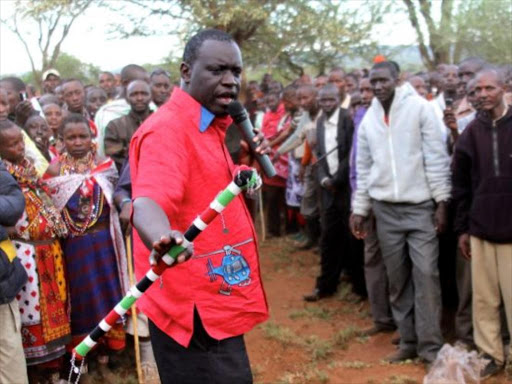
405,162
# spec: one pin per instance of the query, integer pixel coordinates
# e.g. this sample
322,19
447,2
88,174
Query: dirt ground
319,342
308,343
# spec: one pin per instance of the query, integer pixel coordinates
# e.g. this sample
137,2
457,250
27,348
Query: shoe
491,369
375,330
316,295
401,355
395,340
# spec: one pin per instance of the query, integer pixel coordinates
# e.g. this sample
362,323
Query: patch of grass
318,348
355,364
279,333
311,312
310,374
405,362
343,337
364,314
362,339
401,379
344,292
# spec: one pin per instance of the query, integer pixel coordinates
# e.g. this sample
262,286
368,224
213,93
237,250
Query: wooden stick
262,215
138,363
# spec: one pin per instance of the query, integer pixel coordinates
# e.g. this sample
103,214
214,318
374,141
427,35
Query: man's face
290,101
450,78
95,99
13,97
50,83
12,146
307,99
488,91
53,115
38,130
160,89
272,102
471,95
466,72
328,100
419,85
77,139
107,83
320,82
214,78
351,84
4,105
74,97
139,96
365,89
338,79
383,84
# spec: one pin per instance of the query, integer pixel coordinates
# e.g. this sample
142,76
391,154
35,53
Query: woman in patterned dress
43,300
94,253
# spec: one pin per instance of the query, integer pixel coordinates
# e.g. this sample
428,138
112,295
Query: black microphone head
237,111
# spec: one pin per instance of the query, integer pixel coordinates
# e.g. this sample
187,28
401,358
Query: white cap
49,72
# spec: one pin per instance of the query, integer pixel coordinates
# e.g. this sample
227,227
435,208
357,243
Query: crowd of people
401,183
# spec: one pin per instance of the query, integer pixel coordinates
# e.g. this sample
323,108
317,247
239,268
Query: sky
89,42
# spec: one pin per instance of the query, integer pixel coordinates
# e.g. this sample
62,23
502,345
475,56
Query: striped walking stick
245,178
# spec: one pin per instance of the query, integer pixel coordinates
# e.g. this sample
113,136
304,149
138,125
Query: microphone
239,116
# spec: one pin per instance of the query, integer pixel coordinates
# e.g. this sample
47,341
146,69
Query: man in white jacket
403,175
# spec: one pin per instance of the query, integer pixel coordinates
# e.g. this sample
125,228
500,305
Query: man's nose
228,78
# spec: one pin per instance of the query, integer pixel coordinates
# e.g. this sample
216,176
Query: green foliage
287,37
50,22
449,30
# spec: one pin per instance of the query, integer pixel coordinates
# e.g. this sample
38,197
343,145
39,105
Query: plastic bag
455,365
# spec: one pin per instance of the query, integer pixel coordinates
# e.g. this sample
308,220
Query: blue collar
205,119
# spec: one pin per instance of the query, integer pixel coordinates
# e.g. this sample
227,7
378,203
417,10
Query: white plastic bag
455,365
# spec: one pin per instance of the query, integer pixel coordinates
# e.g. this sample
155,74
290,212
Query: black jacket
12,204
482,179
340,179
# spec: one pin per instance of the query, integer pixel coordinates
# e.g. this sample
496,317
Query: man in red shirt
179,163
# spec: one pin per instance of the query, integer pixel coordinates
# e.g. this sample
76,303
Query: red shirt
178,158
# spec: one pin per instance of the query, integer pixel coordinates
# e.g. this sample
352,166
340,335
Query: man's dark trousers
206,360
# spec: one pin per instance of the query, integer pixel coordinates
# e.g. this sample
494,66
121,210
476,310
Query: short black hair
158,72
500,77
75,118
128,70
106,73
70,80
478,61
194,44
391,66
16,82
6,124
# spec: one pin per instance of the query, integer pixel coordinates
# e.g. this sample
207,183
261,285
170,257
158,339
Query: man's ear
186,72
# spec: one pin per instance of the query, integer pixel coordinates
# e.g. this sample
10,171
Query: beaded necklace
36,192
69,166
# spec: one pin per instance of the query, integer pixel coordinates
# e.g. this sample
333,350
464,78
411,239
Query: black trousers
206,360
335,247
275,207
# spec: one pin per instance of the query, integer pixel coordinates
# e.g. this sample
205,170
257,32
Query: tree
294,34
448,29
54,19
69,66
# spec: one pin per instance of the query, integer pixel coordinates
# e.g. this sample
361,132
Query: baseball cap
49,72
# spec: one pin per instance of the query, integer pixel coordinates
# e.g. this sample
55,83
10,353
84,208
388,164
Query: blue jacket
12,205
